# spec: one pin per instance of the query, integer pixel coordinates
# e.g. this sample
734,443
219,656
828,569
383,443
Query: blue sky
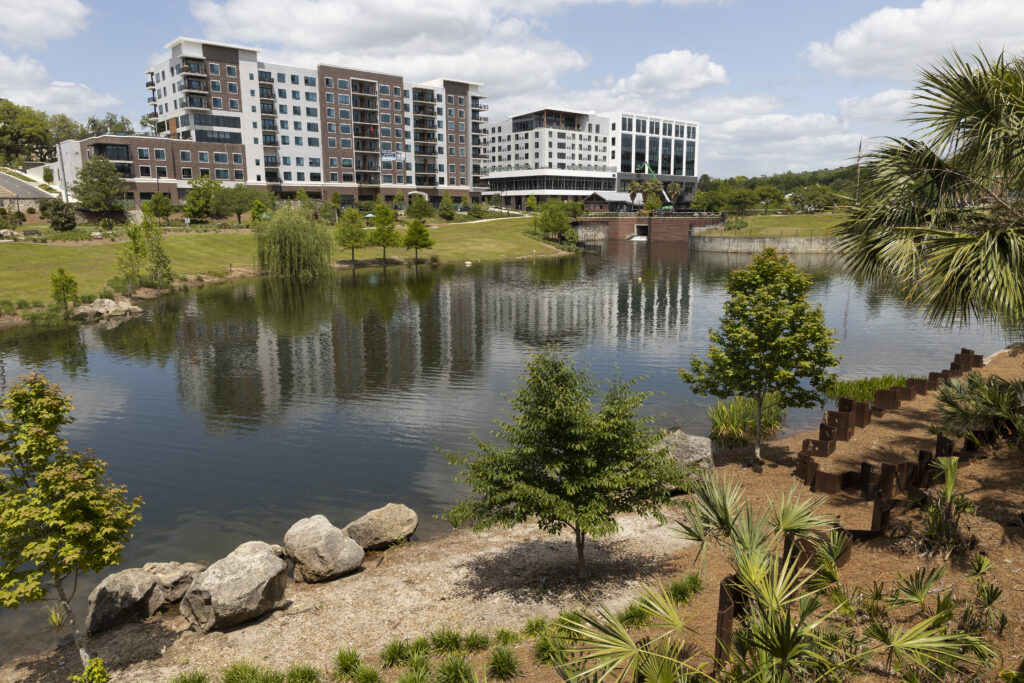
782,85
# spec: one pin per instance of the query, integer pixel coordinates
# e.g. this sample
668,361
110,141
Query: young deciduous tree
417,237
234,200
564,463
773,340
63,289
158,206
99,186
384,234
531,203
156,257
477,211
350,233
419,208
199,200
130,257
553,218
59,515
446,209
257,212
62,215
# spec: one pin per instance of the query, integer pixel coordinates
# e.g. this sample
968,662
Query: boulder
384,526
252,547
8,233
235,589
96,235
174,577
105,308
321,551
123,596
689,450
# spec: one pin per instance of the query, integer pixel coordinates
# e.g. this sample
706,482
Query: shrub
31,210
419,646
365,673
394,653
445,640
23,305
506,636
94,672
535,627
7,307
974,403
735,223
733,421
47,175
345,663
418,671
454,669
303,673
250,672
547,647
292,244
191,677
944,509
475,641
683,590
503,664
634,616
863,388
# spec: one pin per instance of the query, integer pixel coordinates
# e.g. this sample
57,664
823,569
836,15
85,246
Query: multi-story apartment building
323,130
571,155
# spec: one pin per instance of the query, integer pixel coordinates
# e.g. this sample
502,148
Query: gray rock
105,308
235,589
123,596
10,234
689,450
321,551
252,547
384,526
174,577
96,235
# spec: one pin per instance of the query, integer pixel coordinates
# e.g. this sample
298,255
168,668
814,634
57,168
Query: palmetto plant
791,627
944,509
942,215
973,402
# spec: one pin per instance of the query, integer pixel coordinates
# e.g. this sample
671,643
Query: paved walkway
12,188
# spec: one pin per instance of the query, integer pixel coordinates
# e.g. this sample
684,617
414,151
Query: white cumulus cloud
33,23
25,81
672,74
897,42
887,107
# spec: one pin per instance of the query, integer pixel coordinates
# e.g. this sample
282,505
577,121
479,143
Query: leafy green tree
109,123
384,234
24,132
59,515
199,200
157,260
772,341
574,209
446,209
47,175
419,208
158,206
62,215
130,257
738,198
651,189
350,233
553,218
770,197
563,463
417,237
293,244
941,215
99,186
147,123
257,212
63,289
477,211
234,200
811,198
531,203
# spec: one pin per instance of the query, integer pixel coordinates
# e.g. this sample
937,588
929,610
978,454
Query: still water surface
236,409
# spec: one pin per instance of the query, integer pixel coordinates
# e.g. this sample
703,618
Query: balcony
364,103
426,180
363,87
270,141
267,94
364,117
365,132
424,124
477,104
151,100
367,179
191,85
194,68
424,150
193,102
266,77
271,162
150,84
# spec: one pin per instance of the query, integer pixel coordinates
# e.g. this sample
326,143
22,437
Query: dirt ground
502,578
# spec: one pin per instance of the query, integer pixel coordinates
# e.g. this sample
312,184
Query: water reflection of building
404,335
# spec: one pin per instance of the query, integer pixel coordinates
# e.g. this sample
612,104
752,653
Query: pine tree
417,237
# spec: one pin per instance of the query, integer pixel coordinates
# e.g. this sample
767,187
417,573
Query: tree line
789,191
28,134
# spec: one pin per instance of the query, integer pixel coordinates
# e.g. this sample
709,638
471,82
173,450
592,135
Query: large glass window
691,157
678,157
666,155
627,152
652,155
641,153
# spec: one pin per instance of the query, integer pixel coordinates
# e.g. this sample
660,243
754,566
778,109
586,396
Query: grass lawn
798,225
26,267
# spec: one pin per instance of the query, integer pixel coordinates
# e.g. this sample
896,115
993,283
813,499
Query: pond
236,409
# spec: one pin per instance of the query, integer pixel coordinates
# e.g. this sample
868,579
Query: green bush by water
863,388
733,421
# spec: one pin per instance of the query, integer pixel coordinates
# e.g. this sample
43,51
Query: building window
186,156
280,78
313,127
295,79
236,158
346,163
346,143
385,90
214,86
218,103
144,171
313,142
328,82
388,178
300,176
315,178
204,173
311,111
342,84
232,87
204,157
311,97
233,104
334,177
451,99
222,174
215,69
282,93
161,171
344,114
332,142
287,175
329,97
220,157
285,140
310,81
239,174
232,71
143,153
343,99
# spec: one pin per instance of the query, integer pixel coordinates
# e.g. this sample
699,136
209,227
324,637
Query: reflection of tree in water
421,285
36,347
152,339
553,271
294,308
378,293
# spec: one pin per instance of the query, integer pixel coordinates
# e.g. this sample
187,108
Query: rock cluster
138,593
250,581
689,450
105,308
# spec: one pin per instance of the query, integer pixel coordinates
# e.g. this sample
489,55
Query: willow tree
291,243
941,215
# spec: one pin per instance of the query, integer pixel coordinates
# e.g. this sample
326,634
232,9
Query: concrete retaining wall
657,228
747,245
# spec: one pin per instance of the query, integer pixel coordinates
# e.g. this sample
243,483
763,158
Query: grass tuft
250,672
507,636
863,388
535,627
303,673
503,664
475,641
365,673
682,590
394,653
454,669
191,677
345,663
733,422
445,640
634,616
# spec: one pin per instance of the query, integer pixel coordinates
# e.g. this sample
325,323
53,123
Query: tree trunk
82,652
757,428
581,561
353,254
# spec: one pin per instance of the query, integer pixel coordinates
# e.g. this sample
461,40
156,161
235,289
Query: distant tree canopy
28,133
